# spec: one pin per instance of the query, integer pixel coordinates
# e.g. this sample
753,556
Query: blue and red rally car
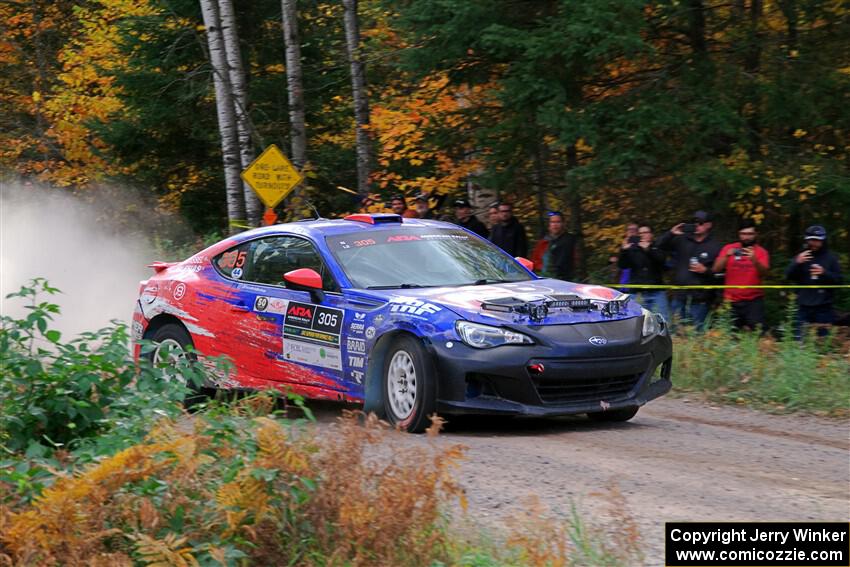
409,317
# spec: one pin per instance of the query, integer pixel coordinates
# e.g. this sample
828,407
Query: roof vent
375,219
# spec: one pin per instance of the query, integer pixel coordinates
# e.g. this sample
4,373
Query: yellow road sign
272,176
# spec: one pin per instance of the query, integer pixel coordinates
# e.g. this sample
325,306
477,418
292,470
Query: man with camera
694,251
745,263
645,262
814,266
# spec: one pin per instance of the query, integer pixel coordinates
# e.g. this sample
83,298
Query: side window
266,260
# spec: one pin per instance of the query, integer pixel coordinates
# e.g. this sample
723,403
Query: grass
812,375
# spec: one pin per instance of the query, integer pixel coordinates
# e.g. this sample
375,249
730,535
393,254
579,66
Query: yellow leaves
170,551
799,133
36,96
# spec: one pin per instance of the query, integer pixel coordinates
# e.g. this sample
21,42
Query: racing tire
179,340
409,385
617,415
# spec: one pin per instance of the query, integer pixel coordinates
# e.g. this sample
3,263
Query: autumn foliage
241,485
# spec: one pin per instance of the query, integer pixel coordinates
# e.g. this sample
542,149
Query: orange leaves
405,125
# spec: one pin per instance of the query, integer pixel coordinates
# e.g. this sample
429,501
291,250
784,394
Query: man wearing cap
555,255
509,234
422,208
399,207
816,265
694,251
744,263
465,218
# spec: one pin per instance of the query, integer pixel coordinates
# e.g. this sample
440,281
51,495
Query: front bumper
562,374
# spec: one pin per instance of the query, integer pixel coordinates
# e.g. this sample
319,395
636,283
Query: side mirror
305,279
526,263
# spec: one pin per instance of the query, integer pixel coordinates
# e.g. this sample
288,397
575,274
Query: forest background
608,111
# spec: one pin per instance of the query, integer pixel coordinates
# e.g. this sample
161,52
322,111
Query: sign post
272,177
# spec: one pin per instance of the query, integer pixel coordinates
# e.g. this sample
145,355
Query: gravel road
676,460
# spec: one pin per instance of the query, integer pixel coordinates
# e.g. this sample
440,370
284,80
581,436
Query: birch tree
358,90
295,86
226,115
239,91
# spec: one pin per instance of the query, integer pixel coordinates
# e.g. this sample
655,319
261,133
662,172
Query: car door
284,336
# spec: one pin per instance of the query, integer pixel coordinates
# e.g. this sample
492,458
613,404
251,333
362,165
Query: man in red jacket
745,263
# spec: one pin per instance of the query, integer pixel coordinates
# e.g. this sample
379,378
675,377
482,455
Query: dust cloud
87,247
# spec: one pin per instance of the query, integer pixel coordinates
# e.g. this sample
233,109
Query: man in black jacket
465,218
509,234
645,262
814,266
557,251
694,250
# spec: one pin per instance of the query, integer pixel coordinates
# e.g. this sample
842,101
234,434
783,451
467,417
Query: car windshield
422,257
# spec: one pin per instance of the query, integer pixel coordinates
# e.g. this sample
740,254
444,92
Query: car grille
576,380
577,390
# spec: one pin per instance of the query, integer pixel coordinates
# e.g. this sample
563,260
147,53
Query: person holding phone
645,262
815,265
745,263
694,251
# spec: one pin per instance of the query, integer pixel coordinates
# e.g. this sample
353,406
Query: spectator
493,215
814,266
422,208
554,255
509,234
399,207
695,251
643,259
745,263
631,232
465,218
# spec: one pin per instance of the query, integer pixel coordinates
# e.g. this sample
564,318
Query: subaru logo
597,340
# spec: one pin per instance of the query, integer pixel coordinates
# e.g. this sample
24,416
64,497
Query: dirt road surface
677,460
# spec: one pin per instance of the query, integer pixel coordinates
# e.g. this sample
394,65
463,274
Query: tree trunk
253,206
576,214
295,86
696,27
539,187
226,116
358,90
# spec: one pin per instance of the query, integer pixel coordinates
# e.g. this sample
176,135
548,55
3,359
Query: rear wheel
410,395
172,343
622,414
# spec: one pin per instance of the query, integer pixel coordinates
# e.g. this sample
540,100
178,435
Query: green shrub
57,394
745,368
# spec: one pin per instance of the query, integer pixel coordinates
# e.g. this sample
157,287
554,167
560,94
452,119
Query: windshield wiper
485,281
398,286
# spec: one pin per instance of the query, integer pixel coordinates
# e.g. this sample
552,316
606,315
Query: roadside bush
56,394
745,368
239,486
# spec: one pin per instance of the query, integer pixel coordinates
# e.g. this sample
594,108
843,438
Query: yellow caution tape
239,223
663,286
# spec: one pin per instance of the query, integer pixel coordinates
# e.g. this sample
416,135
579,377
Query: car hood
467,302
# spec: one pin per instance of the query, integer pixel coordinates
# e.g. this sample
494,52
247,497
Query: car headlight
653,323
485,336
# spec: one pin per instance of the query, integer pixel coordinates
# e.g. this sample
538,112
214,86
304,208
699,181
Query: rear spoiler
161,266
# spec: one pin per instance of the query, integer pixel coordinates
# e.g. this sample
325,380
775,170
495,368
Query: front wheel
172,344
410,393
622,414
